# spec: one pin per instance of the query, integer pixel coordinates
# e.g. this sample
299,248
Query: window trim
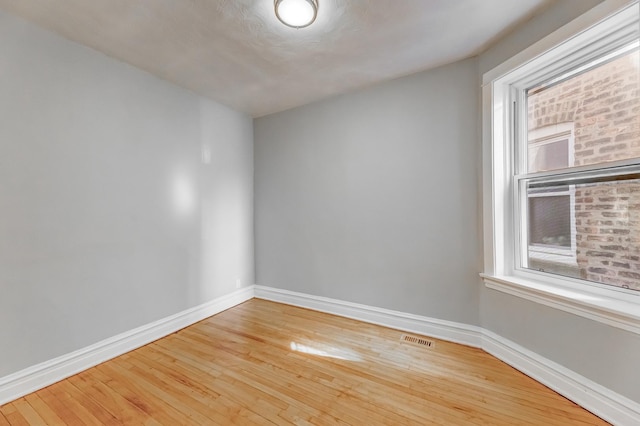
617,24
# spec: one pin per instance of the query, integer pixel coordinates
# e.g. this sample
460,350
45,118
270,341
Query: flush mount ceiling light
296,13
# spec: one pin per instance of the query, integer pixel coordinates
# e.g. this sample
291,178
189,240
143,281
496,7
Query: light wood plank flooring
266,363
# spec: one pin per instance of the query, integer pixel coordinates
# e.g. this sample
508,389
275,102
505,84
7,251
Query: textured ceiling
236,52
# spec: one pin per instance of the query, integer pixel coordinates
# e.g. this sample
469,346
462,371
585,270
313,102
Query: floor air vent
418,341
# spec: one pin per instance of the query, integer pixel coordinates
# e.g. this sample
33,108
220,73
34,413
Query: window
562,193
602,100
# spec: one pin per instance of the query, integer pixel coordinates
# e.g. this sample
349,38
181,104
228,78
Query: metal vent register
418,340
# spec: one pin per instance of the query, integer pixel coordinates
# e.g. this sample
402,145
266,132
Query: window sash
576,177
519,145
569,179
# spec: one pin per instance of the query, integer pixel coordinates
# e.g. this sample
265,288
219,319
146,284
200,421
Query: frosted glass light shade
296,13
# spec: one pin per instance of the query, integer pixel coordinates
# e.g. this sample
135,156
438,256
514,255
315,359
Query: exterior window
551,218
549,147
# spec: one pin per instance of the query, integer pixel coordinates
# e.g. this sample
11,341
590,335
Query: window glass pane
602,104
587,231
549,156
550,220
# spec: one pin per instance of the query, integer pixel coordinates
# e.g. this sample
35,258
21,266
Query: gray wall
371,197
109,217
606,355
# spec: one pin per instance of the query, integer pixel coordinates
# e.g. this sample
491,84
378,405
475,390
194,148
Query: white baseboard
601,401
441,329
44,374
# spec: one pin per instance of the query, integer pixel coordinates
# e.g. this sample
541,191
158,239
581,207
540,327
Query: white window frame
610,25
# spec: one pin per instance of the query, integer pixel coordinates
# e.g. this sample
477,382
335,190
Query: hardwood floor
266,363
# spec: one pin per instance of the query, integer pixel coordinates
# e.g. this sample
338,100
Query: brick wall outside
604,105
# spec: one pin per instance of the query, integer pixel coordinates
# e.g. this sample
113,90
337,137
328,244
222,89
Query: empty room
319,212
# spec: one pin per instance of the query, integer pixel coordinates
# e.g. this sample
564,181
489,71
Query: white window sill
598,307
